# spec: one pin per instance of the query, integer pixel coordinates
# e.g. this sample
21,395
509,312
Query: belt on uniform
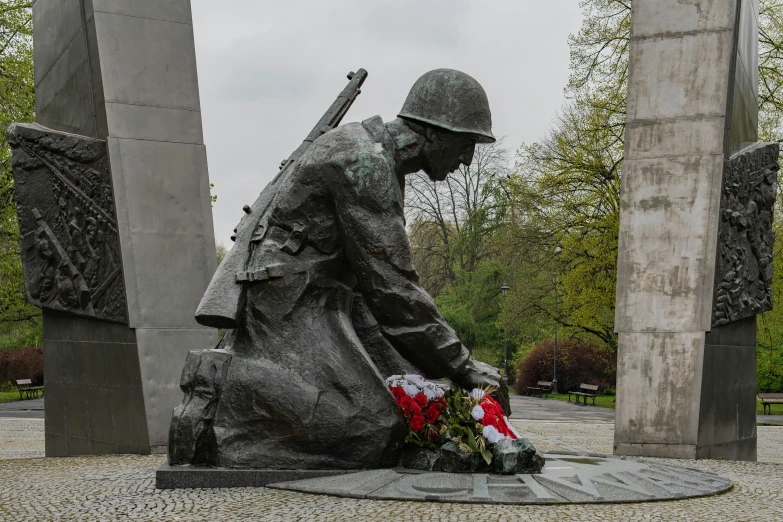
276,270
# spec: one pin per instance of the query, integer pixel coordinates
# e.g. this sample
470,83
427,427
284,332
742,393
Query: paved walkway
122,488
522,407
532,408
27,409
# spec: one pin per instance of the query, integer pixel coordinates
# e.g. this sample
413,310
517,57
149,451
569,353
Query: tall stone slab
124,71
695,244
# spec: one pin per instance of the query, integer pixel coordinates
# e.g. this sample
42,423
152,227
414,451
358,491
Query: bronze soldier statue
297,381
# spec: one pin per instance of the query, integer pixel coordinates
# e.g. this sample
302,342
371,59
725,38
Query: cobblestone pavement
122,488
21,438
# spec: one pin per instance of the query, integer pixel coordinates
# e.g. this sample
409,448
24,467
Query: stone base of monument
564,479
509,457
189,477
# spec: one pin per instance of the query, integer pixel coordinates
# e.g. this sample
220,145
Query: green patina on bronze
451,100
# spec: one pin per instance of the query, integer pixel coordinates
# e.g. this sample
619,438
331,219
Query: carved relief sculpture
743,275
70,246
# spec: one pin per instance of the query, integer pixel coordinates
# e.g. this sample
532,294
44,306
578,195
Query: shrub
577,362
23,363
769,369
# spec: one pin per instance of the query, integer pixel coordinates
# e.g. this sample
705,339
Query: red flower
417,422
409,407
493,415
433,412
420,399
398,393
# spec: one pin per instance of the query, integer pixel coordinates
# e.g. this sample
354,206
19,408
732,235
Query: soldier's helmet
451,100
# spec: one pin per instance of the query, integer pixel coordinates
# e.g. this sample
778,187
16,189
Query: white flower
492,435
410,389
430,393
477,413
477,394
432,390
392,380
418,380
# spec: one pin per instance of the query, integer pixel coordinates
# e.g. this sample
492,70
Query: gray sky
269,69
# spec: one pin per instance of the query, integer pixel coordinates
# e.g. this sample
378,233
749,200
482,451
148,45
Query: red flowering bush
22,363
577,362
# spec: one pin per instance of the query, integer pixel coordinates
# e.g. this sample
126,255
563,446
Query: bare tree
452,222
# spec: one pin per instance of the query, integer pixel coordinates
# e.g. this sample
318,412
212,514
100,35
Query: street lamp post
504,291
554,378
554,358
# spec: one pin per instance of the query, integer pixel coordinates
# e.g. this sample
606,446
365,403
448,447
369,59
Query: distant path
532,408
522,408
550,410
28,409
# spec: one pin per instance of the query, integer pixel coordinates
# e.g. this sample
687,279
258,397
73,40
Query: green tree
220,251
770,325
566,191
453,222
17,104
453,225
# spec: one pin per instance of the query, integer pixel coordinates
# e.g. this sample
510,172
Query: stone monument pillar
695,245
124,71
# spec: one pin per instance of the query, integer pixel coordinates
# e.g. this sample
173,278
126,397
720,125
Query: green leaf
472,442
487,456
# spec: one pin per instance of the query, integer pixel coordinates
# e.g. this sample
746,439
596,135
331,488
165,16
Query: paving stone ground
532,408
122,488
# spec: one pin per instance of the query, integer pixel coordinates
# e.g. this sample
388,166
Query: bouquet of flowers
423,406
436,414
476,421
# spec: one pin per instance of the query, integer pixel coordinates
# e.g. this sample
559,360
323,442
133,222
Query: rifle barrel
331,118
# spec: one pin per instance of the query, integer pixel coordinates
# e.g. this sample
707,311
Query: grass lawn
777,409
607,401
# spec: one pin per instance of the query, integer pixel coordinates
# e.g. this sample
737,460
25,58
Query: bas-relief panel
743,272
70,246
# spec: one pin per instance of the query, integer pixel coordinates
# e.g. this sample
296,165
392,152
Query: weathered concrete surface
565,479
682,392
125,71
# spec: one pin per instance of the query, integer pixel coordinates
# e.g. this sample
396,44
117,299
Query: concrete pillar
125,71
686,366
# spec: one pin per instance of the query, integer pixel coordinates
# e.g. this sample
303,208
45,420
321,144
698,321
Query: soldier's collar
377,129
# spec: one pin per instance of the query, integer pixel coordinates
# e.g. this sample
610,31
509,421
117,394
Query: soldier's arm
377,248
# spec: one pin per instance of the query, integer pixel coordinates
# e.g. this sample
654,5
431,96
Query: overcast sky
269,69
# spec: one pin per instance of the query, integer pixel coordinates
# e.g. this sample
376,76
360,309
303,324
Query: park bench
539,388
768,399
585,391
27,390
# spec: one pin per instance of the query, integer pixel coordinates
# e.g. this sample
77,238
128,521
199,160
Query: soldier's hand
477,373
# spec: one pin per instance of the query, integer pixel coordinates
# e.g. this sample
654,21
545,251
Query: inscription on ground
564,479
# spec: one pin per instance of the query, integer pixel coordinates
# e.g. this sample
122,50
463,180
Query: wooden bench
586,391
768,399
538,389
27,390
